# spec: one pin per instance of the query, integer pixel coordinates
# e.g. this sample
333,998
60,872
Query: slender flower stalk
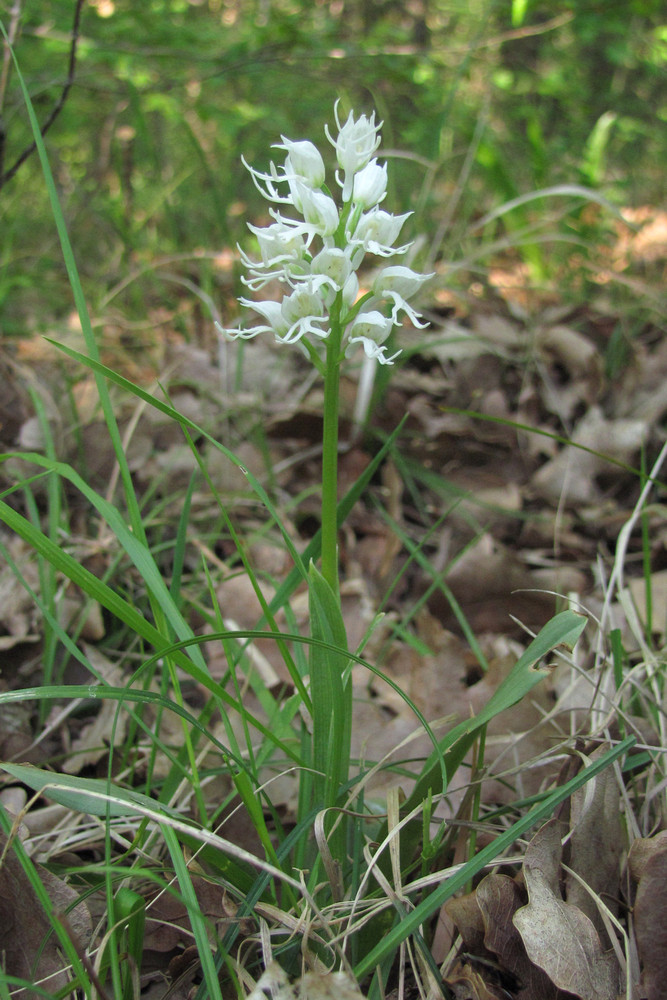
315,258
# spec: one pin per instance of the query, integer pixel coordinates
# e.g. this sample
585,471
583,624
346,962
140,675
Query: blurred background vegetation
482,100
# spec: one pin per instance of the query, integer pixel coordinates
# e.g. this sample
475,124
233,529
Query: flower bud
303,161
370,185
355,144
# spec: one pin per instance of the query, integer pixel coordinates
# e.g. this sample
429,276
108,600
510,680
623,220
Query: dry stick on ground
8,174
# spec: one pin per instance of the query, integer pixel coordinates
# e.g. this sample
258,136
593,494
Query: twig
15,17
7,176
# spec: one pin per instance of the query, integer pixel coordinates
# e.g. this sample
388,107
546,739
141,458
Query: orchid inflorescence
318,256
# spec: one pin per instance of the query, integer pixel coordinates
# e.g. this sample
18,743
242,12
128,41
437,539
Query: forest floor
480,526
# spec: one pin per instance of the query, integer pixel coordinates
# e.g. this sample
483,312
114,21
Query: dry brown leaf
498,898
467,984
15,729
19,618
637,587
490,581
168,920
558,937
651,917
467,915
596,844
570,476
28,947
579,357
641,852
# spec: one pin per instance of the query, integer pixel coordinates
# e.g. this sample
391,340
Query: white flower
371,329
270,310
269,190
398,284
303,312
317,257
376,232
278,243
304,161
280,247
355,144
333,265
402,280
370,185
319,210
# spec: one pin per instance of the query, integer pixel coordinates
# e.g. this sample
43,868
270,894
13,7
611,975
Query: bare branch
7,176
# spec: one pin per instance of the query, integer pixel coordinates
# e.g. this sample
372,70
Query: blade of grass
195,915
136,549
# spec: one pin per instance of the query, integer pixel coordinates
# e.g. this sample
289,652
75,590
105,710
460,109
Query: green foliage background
170,93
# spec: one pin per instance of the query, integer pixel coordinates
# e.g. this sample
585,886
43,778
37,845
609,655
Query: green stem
330,451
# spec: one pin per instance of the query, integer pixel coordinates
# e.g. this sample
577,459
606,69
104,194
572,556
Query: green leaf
94,796
331,691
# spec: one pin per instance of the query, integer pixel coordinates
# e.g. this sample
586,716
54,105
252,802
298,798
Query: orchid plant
316,259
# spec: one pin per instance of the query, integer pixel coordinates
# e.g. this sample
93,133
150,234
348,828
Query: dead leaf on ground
596,844
570,477
468,984
168,921
492,582
28,946
558,937
579,358
648,859
498,898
